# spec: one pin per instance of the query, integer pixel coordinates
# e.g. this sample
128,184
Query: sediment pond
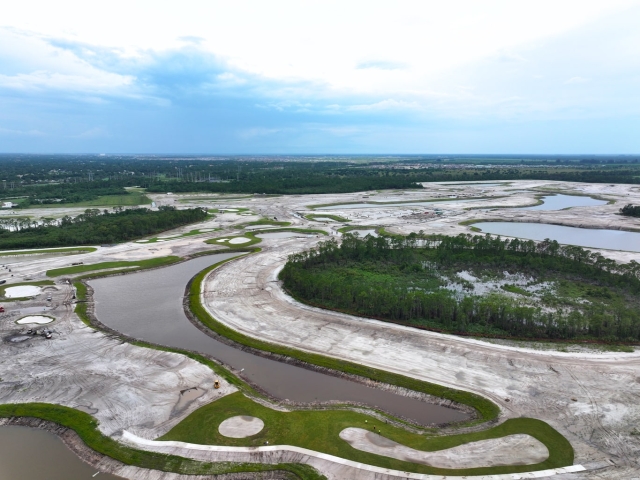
148,306
560,202
33,454
582,237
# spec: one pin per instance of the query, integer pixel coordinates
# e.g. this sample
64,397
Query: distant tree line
396,279
630,210
94,227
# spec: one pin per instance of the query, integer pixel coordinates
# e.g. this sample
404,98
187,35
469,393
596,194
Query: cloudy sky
320,76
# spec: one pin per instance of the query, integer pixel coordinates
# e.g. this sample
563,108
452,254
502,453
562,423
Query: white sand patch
221,210
241,426
519,449
239,240
38,319
221,240
22,291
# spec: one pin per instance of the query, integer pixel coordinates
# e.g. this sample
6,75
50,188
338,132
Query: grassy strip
319,431
139,265
3,288
486,409
48,250
180,235
86,428
289,229
264,221
131,199
316,216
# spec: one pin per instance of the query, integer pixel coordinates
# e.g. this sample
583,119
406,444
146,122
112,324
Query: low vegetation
473,285
95,227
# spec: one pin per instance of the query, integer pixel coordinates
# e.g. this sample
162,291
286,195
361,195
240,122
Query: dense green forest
473,285
95,227
41,179
630,210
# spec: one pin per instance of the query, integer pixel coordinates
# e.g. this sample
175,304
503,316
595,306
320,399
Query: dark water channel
148,306
33,454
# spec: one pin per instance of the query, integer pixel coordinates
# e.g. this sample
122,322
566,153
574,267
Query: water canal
33,454
582,237
148,306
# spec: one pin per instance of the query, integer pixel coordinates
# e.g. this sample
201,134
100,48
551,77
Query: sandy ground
241,426
592,398
509,450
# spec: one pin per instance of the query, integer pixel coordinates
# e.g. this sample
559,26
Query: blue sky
320,77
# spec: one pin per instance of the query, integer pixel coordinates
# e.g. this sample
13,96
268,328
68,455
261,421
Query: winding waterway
148,306
33,454
582,237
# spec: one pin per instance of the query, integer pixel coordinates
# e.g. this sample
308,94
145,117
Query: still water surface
582,237
559,202
148,306
33,454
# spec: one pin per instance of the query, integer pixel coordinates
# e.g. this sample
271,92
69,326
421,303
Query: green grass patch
126,266
319,431
86,428
515,289
318,217
180,235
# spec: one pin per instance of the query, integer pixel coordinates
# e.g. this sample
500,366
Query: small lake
148,306
34,454
582,237
395,204
559,202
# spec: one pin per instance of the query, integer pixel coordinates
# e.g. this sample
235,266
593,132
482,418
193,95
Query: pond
148,306
559,202
34,454
364,233
394,204
582,237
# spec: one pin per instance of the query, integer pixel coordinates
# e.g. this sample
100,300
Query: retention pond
582,237
148,306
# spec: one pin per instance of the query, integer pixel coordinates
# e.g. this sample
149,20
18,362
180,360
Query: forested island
95,227
478,285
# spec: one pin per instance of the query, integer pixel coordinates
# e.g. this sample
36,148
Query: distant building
7,205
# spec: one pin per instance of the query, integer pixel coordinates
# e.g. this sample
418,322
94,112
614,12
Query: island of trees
478,285
630,210
95,227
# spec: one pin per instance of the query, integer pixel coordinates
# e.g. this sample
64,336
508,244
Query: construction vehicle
216,384
1,309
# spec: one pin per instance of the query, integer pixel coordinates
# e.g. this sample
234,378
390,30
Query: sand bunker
22,291
517,449
38,319
239,240
241,426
